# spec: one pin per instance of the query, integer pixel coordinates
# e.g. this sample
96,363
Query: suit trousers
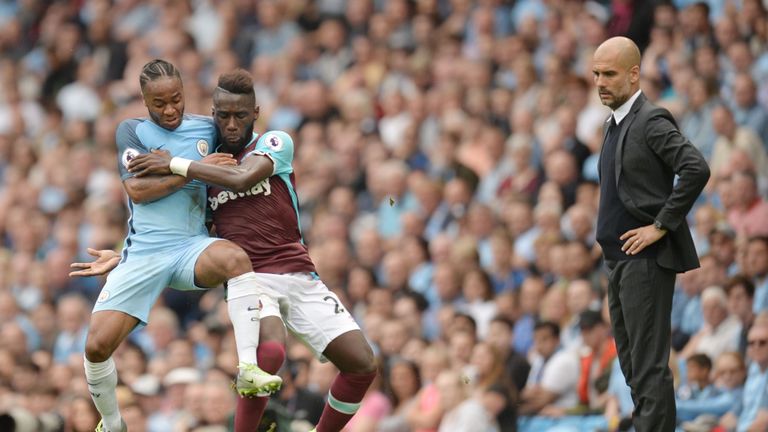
640,304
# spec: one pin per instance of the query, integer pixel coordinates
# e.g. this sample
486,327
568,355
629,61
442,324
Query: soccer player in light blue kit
168,245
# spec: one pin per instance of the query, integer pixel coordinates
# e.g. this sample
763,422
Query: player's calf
271,355
106,331
352,354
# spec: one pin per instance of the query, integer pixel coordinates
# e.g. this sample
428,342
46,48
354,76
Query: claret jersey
264,220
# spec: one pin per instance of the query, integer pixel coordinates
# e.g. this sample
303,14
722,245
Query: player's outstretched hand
157,162
106,260
220,159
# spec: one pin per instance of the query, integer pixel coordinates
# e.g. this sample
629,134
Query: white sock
102,381
244,306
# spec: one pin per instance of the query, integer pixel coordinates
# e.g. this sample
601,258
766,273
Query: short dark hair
743,281
758,238
156,69
551,325
239,81
503,320
703,6
701,360
589,318
419,300
466,317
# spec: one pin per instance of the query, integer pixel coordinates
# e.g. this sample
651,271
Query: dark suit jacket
650,151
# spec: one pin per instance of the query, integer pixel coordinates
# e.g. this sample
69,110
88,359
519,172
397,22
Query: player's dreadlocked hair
156,69
239,81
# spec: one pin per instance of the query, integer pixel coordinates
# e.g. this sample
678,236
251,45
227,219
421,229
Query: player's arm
151,188
238,178
146,189
216,169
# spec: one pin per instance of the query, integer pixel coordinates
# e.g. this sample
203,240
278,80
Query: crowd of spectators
447,174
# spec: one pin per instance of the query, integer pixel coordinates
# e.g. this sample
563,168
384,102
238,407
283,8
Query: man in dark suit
641,226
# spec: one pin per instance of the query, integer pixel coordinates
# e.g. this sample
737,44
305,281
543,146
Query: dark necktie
612,126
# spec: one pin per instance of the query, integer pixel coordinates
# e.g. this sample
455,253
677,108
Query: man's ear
634,73
213,111
256,112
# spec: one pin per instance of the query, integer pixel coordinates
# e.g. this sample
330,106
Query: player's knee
363,361
235,262
97,349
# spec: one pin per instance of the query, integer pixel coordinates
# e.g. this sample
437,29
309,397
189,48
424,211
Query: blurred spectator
750,414
728,379
580,298
544,386
741,292
531,294
749,211
464,413
402,386
722,246
697,124
71,314
720,332
500,336
746,110
731,136
697,385
477,292
756,267
705,218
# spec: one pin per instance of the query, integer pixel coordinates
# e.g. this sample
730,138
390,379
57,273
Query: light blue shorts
136,283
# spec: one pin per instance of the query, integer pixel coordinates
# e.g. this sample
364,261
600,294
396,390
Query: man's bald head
616,71
621,50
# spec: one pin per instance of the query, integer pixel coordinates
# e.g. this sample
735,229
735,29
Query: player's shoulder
127,130
276,140
130,125
197,118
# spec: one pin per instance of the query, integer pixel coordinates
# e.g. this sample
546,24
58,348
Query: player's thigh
134,286
315,314
206,262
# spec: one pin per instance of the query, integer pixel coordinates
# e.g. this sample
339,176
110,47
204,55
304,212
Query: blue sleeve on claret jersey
278,145
128,145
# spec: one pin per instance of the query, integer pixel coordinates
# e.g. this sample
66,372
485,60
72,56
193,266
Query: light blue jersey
165,236
162,223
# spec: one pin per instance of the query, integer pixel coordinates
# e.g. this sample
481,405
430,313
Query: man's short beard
245,138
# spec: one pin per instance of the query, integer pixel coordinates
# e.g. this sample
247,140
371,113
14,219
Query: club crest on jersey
103,296
202,147
128,155
274,142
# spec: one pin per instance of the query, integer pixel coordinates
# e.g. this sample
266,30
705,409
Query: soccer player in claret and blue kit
254,205
168,245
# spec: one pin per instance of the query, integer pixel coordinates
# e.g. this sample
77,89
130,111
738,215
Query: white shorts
308,308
